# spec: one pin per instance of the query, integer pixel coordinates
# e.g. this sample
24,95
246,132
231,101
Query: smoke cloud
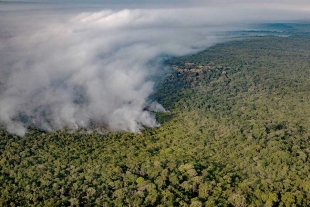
95,68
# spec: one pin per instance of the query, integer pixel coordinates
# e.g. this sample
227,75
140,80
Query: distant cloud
81,68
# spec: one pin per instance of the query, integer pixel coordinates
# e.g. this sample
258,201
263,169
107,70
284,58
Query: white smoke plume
92,67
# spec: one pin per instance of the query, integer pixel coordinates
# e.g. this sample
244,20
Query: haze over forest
155,103
76,64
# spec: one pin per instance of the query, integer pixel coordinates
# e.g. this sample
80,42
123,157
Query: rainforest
235,132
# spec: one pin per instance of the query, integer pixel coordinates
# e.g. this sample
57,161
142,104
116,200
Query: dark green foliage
239,138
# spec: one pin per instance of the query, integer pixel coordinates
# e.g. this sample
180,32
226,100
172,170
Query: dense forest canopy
236,134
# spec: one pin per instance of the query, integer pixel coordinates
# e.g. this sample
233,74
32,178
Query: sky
76,64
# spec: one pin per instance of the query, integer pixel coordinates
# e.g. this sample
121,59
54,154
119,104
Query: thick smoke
95,68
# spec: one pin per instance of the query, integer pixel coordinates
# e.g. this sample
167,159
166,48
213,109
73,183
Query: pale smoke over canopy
92,67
